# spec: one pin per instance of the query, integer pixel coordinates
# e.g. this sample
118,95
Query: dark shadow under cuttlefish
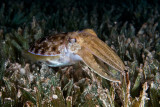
69,48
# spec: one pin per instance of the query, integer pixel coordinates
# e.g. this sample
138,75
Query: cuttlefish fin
34,57
101,50
90,61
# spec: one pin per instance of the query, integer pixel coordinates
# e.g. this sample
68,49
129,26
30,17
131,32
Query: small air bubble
54,96
22,71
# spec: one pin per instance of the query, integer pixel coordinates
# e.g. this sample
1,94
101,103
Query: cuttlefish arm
93,47
90,61
104,53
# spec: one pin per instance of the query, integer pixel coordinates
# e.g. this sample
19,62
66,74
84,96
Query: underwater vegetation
130,28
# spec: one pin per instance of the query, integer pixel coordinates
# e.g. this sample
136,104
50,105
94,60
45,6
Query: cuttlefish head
70,48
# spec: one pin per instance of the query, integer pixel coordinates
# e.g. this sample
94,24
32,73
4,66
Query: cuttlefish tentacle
90,61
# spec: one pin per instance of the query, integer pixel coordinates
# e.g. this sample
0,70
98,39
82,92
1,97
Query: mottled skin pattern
49,45
70,48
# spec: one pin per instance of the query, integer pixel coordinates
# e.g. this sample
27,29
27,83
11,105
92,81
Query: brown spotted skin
49,46
69,48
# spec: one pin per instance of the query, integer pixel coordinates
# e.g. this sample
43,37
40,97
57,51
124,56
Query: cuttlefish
70,48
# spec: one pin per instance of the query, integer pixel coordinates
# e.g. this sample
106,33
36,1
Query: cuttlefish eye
72,40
